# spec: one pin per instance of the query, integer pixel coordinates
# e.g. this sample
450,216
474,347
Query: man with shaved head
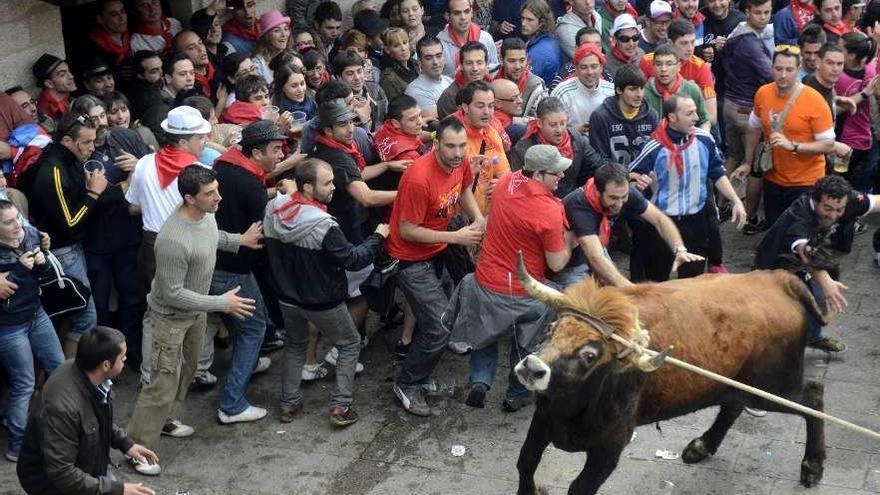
508,110
207,76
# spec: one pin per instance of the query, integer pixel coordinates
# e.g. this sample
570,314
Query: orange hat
588,49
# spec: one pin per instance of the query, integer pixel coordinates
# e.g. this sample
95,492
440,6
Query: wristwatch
795,146
679,249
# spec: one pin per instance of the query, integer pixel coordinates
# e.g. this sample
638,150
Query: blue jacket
21,307
785,31
746,64
545,55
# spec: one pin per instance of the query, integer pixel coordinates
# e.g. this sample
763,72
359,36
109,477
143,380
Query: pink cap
272,19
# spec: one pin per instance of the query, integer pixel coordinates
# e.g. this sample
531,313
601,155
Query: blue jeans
247,337
814,328
117,270
17,349
73,260
484,363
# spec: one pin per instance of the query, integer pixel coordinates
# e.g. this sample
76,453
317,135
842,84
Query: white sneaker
333,354
262,365
313,372
758,413
144,467
174,428
252,413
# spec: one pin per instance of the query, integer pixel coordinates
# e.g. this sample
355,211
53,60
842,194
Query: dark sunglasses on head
623,39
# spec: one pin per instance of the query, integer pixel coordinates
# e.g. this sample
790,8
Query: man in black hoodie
308,255
145,91
623,123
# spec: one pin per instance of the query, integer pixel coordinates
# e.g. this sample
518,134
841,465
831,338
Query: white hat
660,8
185,120
623,21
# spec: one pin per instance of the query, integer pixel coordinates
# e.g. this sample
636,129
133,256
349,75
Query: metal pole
752,390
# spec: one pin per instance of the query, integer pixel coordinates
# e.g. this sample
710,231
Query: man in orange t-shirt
430,192
476,109
798,144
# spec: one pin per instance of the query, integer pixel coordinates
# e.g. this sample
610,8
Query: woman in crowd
411,13
119,115
275,29
854,129
305,38
235,66
398,67
290,93
315,69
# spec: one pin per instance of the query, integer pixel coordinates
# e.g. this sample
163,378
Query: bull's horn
649,364
546,294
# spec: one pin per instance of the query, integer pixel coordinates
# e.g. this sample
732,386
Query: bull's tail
801,292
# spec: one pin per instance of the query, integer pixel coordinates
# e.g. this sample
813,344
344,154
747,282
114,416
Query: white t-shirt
581,101
427,91
156,204
152,42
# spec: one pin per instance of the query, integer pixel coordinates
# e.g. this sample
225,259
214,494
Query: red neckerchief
170,161
696,20
164,32
241,113
236,29
461,79
473,34
234,156
613,13
565,147
106,41
839,29
394,144
617,53
520,83
802,13
591,194
473,132
501,127
503,119
49,106
295,203
352,150
665,92
204,80
675,158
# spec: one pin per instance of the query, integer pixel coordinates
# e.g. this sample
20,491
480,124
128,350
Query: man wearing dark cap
98,78
241,32
54,76
489,303
241,173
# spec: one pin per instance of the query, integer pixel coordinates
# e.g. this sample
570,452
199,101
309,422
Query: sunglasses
623,39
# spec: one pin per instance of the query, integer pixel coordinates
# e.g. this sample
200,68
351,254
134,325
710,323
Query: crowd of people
264,180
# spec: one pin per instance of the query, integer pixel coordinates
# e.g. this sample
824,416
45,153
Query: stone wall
29,28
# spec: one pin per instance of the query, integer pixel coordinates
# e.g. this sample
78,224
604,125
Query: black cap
96,67
370,22
333,112
261,131
44,66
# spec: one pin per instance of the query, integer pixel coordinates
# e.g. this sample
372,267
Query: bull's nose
533,373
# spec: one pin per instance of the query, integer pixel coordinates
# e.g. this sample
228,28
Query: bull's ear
590,354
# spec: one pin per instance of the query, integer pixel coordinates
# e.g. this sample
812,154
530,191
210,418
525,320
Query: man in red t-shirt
430,193
490,303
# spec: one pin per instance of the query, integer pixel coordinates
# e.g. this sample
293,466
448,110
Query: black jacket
66,445
583,165
147,105
244,202
617,138
59,203
308,255
21,307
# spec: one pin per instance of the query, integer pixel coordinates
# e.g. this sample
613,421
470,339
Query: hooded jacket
567,27
308,254
545,57
22,305
747,63
618,138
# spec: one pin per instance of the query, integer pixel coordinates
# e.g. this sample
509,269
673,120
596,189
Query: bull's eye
589,354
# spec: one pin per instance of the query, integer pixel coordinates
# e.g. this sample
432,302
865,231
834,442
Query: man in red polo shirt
430,193
490,303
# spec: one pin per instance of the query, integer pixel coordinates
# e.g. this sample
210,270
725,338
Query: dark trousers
652,258
118,270
861,169
715,253
778,198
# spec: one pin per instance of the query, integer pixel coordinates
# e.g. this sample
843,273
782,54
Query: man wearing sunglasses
624,44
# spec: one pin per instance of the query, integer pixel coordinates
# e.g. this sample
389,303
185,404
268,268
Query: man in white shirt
586,92
460,30
427,88
153,191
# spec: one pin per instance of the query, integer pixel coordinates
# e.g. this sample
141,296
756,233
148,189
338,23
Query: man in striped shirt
677,164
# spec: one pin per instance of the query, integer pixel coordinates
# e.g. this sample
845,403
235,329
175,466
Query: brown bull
749,327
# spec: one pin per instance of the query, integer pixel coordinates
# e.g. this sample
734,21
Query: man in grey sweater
186,250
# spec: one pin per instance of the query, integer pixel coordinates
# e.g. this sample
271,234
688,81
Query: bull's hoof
695,452
542,490
811,473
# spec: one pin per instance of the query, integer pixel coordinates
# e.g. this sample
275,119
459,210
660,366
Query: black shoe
755,226
725,212
401,349
412,398
477,396
273,343
513,405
